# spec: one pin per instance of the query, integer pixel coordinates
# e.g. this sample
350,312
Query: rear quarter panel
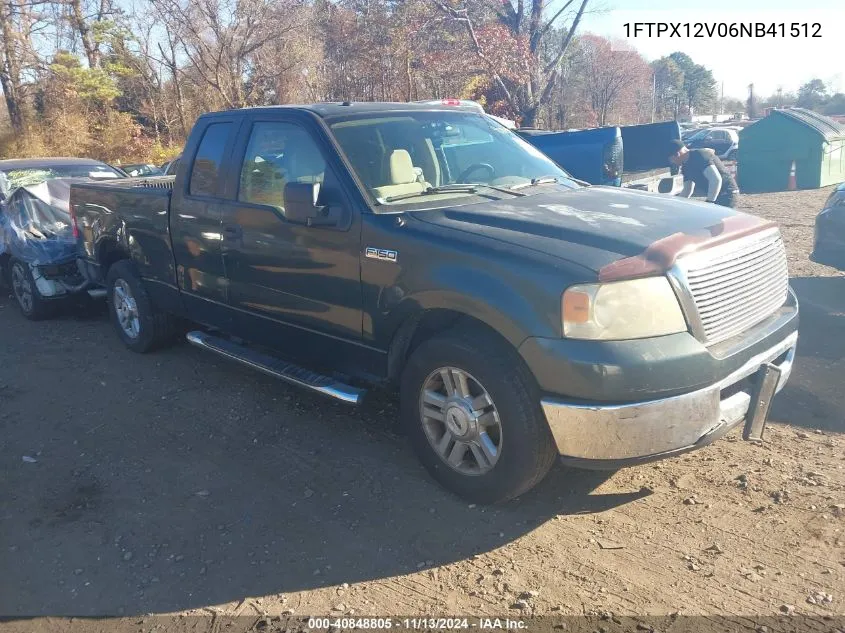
131,220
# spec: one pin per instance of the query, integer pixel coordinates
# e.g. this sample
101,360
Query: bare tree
613,78
19,22
223,40
168,57
126,77
526,27
83,16
10,66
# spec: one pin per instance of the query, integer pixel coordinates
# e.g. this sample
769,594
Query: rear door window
205,174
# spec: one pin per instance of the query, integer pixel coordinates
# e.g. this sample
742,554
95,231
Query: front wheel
32,305
472,412
139,323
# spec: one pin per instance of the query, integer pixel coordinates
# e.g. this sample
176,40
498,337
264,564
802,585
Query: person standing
703,171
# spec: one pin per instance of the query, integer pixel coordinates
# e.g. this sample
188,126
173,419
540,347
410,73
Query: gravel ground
175,482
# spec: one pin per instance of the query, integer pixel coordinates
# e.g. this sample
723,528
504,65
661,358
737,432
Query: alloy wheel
22,287
460,421
126,309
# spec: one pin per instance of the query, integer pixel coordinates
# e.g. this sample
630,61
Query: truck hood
592,226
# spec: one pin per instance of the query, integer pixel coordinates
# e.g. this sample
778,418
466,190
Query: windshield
142,170
421,159
13,178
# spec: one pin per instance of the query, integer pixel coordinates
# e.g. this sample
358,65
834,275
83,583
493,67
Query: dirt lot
175,481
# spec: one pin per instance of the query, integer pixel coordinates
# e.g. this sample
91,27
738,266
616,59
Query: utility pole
653,94
722,100
780,93
751,107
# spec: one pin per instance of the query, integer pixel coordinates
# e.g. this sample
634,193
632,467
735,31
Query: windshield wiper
542,180
469,187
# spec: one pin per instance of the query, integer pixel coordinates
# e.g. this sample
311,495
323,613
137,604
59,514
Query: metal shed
767,149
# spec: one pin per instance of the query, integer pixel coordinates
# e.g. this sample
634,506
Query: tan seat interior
388,160
402,176
305,163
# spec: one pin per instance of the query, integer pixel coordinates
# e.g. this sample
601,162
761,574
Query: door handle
232,232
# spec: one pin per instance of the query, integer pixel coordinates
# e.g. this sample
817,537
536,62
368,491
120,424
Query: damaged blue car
37,244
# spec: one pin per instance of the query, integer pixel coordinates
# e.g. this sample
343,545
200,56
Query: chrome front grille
736,285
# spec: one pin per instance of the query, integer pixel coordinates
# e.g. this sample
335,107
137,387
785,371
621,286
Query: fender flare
500,309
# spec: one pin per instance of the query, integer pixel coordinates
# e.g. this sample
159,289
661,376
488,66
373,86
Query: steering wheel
475,166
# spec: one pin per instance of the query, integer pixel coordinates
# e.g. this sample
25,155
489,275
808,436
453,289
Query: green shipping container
768,148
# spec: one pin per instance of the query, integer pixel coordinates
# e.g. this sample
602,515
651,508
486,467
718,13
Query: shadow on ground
814,397
175,480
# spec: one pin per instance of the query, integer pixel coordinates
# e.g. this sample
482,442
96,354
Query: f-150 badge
382,254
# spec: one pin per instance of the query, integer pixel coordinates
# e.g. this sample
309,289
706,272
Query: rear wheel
140,325
32,305
472,412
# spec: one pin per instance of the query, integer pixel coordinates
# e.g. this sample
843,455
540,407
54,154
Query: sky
767,63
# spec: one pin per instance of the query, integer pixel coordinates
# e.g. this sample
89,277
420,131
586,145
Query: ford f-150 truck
522,315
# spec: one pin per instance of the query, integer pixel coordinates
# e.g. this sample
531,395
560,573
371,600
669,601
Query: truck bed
644,174
129,216
140,185
651,179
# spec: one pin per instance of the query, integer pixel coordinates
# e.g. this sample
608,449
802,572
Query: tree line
125,79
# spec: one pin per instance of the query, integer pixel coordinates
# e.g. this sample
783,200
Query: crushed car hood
35,224
591,226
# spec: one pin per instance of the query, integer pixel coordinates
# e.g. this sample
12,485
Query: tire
140,325
32,305
525,449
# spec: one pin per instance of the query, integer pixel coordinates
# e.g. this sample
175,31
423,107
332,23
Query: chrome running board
277,368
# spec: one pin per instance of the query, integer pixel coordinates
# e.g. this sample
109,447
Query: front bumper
611,436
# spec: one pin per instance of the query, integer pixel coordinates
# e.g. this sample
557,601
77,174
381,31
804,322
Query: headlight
637,308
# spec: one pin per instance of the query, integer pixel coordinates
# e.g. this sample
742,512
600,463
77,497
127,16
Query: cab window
205,174
278,153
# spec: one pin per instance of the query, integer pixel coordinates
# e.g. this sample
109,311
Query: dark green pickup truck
521,315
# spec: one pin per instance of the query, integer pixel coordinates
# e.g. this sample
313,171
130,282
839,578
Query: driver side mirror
300,203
